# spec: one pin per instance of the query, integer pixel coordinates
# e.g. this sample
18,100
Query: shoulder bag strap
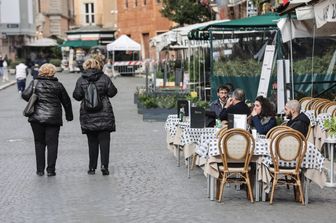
34,86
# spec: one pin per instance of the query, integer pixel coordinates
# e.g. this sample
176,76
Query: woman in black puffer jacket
47,117
99,124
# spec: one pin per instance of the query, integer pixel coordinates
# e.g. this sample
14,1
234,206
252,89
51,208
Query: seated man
235,105
216,106
298,121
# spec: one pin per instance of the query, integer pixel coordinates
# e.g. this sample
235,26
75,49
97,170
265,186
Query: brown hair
47,70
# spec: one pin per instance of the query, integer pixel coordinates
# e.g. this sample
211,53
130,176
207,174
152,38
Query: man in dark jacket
298,121
235,105
217,106
99,124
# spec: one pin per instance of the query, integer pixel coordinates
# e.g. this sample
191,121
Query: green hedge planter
157,114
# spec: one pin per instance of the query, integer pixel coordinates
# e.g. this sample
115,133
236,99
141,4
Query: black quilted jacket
51,96
102,120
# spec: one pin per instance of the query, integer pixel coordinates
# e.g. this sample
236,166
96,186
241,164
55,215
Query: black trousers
45,136
99,140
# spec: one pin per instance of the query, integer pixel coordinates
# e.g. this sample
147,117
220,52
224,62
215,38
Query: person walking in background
108,69
5,71
20,76
262,117
35,71
1,66
47,117
97,125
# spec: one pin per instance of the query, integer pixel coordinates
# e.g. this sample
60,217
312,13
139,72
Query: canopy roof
44,42
261,22
123,43
311,20
80,43
178,36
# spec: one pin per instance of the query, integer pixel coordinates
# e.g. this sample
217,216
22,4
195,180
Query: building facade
54,17
141,20
94,23
17,26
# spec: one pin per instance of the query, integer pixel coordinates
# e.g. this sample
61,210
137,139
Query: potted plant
157,108
330,127
139,91
57,63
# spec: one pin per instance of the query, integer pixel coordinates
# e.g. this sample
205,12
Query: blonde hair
92,64
47,70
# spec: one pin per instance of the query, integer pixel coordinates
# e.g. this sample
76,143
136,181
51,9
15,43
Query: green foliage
237,67
56,52
56,62
202,104
321,64
250,67
186,11
168,101
13,64
330,126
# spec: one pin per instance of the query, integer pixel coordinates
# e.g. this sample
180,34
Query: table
331,146
208,148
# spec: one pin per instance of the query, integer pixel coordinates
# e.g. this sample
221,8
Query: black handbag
30,108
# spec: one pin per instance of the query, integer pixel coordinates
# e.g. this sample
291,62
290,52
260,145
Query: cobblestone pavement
144,186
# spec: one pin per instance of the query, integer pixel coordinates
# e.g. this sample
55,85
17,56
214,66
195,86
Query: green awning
261,22
80,43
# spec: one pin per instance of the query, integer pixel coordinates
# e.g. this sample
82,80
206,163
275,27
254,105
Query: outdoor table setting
313,163
182,137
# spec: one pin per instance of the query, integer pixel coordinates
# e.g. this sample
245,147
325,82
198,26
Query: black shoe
51,174
105,171
91,171
40,173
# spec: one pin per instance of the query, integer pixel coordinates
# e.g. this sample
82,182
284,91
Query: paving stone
144,186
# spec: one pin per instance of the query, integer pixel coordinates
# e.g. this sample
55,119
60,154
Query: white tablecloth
209,147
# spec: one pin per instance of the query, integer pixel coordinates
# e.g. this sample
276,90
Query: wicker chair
287,146
304,101
329,107
237,146
318,104
275,129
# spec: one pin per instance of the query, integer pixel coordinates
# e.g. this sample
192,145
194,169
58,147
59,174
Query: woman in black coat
47,117
97,125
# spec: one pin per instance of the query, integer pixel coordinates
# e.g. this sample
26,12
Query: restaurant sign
266,70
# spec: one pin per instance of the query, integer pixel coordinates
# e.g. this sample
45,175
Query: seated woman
262,117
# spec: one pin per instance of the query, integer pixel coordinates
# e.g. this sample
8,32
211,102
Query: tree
186,11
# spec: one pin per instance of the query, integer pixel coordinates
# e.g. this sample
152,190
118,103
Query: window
89,13
126,3
136,3
145,2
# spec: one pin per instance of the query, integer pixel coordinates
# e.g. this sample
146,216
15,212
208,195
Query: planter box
135,98
157,114
140,107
